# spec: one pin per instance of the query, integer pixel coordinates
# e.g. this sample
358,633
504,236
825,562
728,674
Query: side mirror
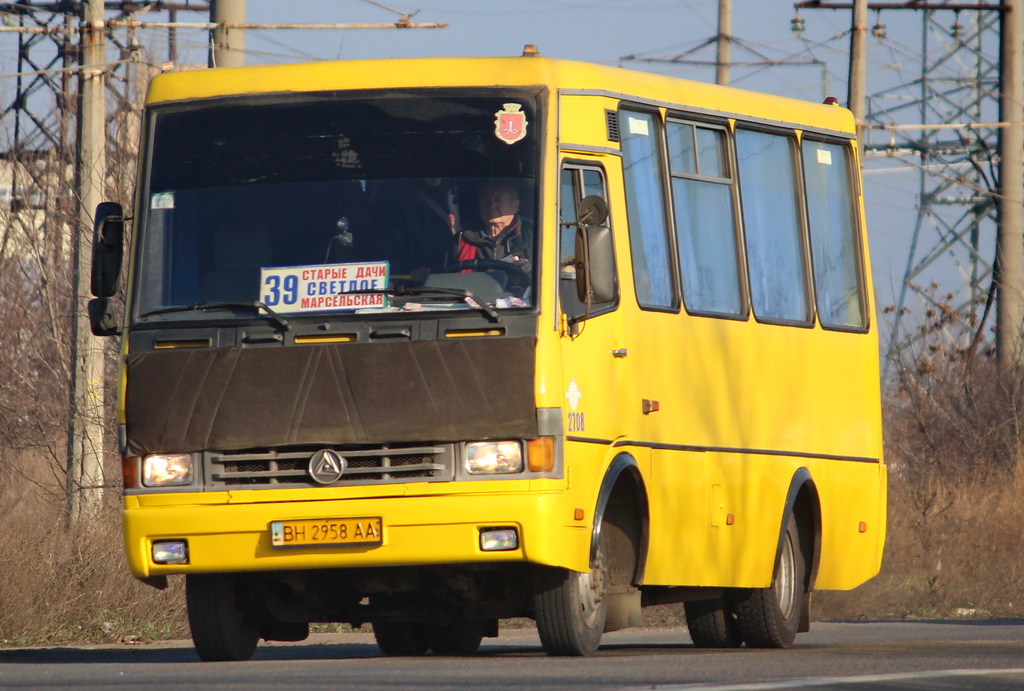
595,265
107,249
592,211
102,319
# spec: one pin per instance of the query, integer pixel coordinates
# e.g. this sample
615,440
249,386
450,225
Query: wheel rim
785,584
590,588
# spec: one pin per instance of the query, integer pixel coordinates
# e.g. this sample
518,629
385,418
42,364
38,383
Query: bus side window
771,223
645,210
702,200
575,184
832,220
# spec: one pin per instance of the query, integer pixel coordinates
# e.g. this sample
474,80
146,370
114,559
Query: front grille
364,465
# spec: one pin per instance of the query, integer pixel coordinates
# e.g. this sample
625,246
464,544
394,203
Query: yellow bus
434,343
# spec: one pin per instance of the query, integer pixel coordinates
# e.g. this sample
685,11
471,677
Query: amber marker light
578,514
540,454
863,527
130,471
729,519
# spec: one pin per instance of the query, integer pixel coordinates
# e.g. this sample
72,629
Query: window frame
800,207
857,222
578,166
658,136
732,182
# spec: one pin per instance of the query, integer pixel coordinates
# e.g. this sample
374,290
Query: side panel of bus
723,413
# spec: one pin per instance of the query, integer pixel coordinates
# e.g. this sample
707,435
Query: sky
635,34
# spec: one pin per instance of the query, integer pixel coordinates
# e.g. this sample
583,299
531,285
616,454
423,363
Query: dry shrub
60,585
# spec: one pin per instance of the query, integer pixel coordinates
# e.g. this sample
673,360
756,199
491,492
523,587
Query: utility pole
227,47
1010,223
856,94
85,437
724,58
955,142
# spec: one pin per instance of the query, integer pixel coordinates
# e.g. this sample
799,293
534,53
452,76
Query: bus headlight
167,470
492,457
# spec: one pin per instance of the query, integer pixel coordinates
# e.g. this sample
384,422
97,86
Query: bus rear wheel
224,627
712,624
571,608
401,638
769,617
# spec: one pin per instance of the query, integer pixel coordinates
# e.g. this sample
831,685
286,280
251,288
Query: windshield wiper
420,291
255,305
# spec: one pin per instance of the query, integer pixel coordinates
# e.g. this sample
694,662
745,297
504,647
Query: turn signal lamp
540,454
130,471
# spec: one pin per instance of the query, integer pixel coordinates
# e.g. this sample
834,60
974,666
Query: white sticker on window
824,157
162,200
638,126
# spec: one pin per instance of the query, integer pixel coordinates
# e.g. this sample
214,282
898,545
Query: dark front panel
346,393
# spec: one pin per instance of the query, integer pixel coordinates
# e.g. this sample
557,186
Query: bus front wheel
769,617
571,608
457,638
223,624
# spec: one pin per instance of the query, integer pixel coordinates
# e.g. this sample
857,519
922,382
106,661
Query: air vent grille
364,465
611,118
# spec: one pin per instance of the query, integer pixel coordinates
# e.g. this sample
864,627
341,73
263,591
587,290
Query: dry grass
60,585
957,556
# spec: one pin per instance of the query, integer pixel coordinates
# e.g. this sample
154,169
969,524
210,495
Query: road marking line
820,681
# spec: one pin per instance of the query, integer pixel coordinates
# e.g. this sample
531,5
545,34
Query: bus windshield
340,203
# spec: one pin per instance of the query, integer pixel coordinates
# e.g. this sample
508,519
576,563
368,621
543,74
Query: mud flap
805,615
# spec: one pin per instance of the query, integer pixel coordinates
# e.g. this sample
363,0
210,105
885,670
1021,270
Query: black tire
401,638
571,608
770,617
224,627
458,638
712,624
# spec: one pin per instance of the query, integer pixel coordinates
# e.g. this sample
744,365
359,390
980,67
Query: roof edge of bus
367,74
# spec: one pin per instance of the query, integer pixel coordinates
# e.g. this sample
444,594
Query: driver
505,235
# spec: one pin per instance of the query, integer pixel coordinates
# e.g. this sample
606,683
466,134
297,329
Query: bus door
593,352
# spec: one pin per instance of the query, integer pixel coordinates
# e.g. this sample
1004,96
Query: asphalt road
862,655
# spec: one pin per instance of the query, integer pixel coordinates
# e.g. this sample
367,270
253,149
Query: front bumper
226,536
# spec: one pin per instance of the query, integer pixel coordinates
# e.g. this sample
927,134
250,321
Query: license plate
326,531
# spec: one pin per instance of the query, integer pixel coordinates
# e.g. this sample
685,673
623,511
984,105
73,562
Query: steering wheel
517,275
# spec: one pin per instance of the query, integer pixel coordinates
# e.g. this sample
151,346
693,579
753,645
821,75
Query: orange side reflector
578,514
540,454
863,527
729,519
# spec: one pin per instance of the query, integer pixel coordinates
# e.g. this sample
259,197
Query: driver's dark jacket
516,239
